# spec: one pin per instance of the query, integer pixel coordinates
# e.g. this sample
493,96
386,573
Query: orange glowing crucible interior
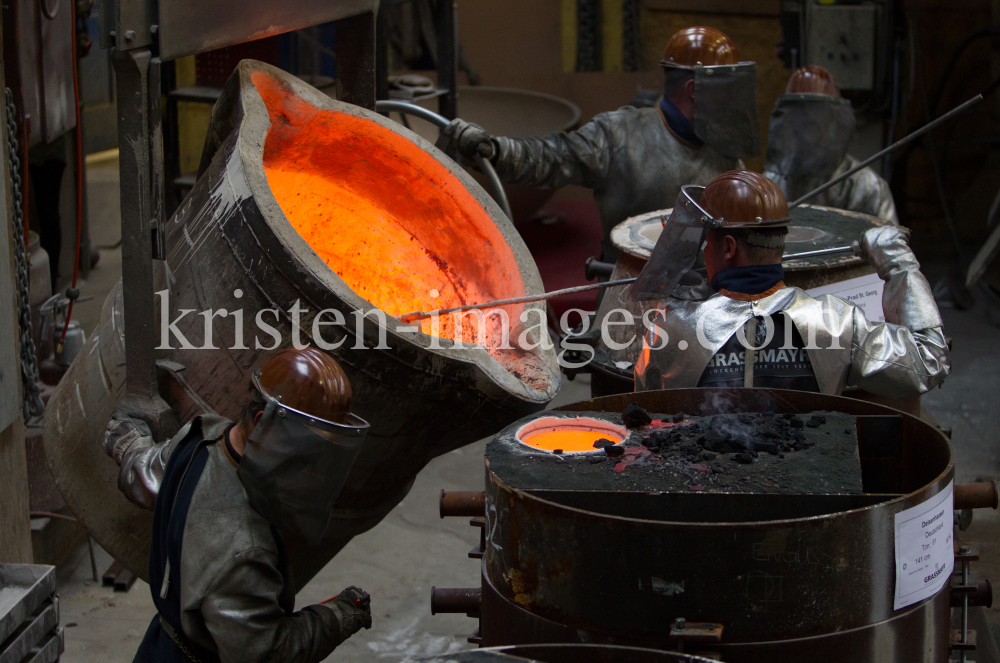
569,435
400,229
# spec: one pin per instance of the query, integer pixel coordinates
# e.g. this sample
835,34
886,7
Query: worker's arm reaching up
906,355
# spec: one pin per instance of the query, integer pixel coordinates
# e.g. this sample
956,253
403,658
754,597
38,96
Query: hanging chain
33,405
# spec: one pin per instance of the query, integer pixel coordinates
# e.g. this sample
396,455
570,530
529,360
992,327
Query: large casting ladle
441,122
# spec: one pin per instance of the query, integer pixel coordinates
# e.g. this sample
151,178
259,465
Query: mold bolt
963,550
680,624
130,35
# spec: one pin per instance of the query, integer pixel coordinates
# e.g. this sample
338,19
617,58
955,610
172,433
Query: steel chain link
32,404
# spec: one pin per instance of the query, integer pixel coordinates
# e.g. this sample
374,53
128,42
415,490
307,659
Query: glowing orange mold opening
569,435
395,224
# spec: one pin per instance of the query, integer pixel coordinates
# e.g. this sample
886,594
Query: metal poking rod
899,143
423,315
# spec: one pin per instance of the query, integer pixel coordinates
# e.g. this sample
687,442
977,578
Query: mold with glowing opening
571,436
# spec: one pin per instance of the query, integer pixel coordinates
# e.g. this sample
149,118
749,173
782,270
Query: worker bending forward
222,493
755,331
636,159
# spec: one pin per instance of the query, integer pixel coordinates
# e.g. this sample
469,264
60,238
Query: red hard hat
309,381
744,197
700,45
813,79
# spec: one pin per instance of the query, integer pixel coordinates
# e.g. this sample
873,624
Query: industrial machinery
747,573
256,235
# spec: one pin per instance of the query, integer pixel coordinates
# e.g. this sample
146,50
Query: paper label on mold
863,291
925,554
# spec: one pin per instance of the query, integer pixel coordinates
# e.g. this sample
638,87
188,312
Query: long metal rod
441,122
899,143
962,656
423,315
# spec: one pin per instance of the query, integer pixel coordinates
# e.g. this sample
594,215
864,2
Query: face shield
807,140
295,466
684,233
676,249
725,108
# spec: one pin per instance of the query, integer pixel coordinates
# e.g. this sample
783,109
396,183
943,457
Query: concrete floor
412,549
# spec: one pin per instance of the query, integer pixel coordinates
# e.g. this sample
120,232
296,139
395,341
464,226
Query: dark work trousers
46,179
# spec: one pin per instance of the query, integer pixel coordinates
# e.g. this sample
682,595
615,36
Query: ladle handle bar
389,106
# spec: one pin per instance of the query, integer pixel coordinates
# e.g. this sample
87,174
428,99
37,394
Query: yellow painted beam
568,36
612,38
184,71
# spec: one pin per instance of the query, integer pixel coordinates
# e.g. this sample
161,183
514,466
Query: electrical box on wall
841,39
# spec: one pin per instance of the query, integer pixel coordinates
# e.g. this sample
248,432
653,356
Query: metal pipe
899,143
389,106
594,268
462,503
982,595
976,496
962,657
461,600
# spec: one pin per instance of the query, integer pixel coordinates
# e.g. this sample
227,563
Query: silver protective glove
122,432
469,139
907,299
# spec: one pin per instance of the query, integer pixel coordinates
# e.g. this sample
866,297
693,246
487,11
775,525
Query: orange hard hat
743,197
309,381
699,46
812,79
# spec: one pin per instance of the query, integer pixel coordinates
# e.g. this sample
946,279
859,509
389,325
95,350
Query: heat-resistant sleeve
581,157
868,193
907,355
242,613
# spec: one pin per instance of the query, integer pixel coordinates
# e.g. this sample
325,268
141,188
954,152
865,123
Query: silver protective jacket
901,358
807,140
233,581
864,191
629,157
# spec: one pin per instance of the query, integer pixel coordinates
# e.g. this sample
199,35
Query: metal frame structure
145,33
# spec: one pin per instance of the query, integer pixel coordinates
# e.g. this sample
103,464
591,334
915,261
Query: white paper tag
925,554
864,292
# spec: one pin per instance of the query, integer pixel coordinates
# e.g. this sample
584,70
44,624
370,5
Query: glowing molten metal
569,435
396,225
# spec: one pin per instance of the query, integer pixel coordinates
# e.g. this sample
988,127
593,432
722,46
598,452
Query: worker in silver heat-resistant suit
223,495
755,331
636,159
811,129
